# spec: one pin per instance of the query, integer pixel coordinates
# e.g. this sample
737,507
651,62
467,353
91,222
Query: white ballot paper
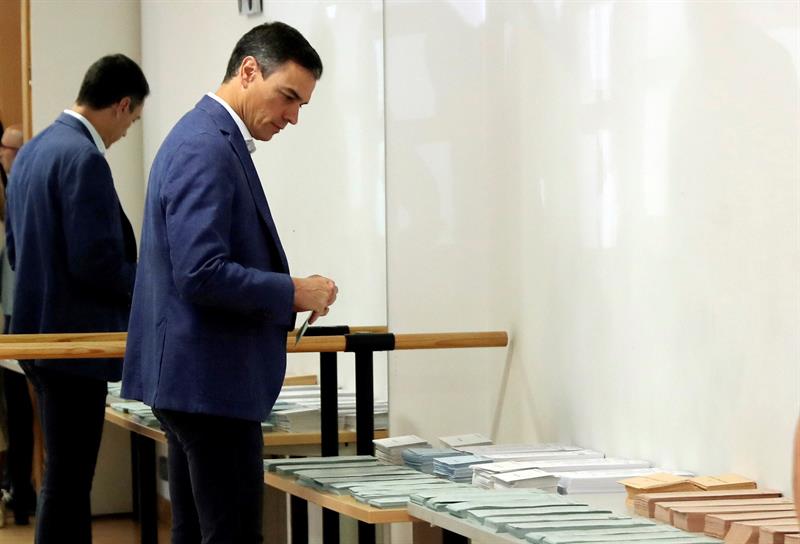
301,331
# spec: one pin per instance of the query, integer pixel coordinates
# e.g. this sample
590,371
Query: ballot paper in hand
302,330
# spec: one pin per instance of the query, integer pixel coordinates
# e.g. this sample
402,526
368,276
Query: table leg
330,433
330,526
366,533
365,404
144,450
275,530
299,520
449,537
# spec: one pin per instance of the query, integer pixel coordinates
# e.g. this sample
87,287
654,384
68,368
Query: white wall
66,38
617,184
324,178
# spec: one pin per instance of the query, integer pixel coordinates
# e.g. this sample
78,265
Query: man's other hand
315,293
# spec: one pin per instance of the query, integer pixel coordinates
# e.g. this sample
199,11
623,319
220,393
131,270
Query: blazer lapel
256,190
75,124
228,127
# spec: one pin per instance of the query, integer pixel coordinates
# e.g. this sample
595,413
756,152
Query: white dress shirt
98,141
248,138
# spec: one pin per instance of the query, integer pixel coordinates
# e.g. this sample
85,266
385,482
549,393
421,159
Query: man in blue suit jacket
74,255
213,299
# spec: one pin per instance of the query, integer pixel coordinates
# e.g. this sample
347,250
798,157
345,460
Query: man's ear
248,70
123,106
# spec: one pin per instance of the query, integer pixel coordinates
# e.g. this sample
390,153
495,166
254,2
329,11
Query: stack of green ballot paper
651,534
545,518
271,465
478,515
386,495
319,478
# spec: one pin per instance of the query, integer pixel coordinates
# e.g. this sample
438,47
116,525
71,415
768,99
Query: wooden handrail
87,349
365,328
441,340
62,350
63,337
116,336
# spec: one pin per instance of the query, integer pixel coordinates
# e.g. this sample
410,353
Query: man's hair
111,79
273,44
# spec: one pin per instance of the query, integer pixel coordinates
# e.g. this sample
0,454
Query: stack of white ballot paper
598,481
297,420
492,449
390,450
114,393
298,410
465,440
483,475
380,418
532,453
533,477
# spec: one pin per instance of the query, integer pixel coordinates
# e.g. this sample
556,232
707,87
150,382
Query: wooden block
775,534
718,525
645,503
693,519
747,532
658,482
663,511
302,379
723,482
791,539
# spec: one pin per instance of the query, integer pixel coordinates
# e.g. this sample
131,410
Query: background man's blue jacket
69,242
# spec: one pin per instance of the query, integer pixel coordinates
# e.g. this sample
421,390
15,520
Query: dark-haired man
74,255
214,299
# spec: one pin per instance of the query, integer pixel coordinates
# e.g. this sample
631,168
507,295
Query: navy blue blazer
213,297
69,242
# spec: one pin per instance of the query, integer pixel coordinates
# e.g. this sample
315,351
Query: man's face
270,104
123,120
8,151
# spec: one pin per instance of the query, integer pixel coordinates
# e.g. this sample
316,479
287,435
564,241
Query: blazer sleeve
198,202
92,228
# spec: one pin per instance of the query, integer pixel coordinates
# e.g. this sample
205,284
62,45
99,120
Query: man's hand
315,293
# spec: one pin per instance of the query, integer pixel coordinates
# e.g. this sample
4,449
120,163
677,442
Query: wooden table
341,504
273,440
423,532
459,526
143,462
467,530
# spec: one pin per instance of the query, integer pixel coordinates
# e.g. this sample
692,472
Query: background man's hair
111,79
273,44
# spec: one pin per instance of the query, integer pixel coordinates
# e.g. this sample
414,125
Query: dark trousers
19,412
72,410
216,478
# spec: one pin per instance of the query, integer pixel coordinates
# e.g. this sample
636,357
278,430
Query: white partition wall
324,178
617,184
